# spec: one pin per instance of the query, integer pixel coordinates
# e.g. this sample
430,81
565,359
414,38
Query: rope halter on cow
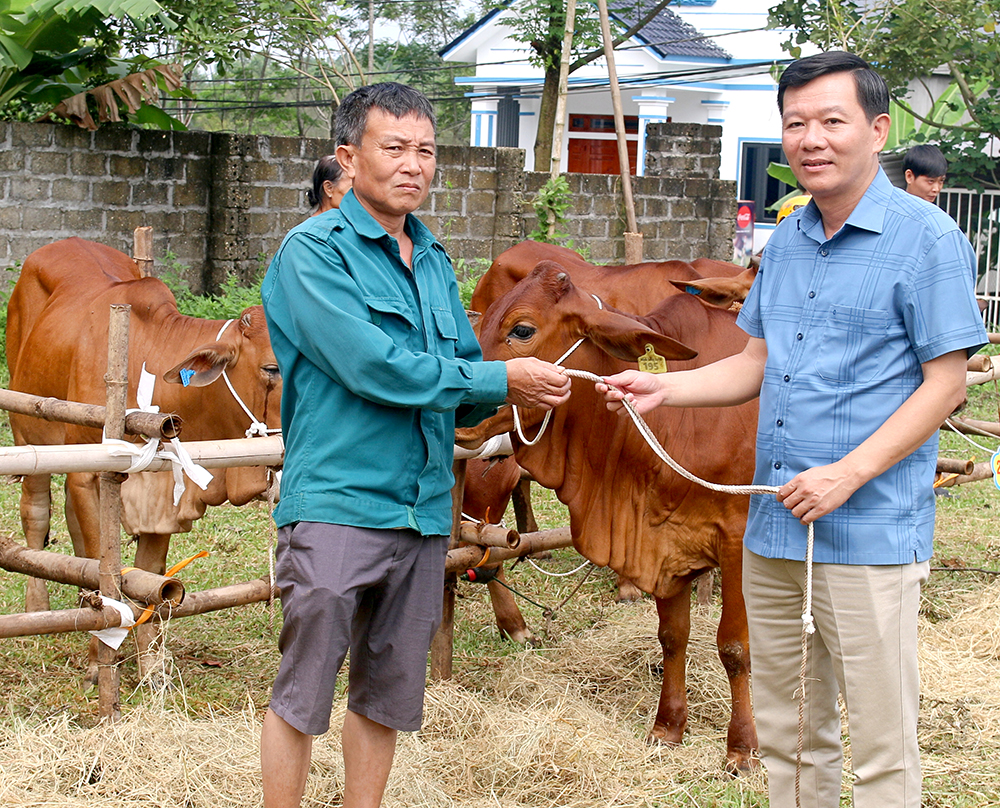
257,428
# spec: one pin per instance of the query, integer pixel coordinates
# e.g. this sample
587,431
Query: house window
755,183
602,123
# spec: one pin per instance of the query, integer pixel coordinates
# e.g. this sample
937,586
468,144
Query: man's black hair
395,99
873,94
925,161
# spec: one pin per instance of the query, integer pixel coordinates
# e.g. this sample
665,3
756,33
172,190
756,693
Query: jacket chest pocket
445,332
851,344
394,317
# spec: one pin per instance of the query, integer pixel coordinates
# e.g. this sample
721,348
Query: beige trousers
865,648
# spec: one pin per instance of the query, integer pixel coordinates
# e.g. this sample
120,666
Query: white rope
257,428
962,435
556,574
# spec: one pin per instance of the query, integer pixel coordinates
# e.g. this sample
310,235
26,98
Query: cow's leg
154,665
734,651
510,621
674,629
36,513
524,515
83,518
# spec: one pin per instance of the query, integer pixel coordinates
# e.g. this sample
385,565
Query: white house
699,61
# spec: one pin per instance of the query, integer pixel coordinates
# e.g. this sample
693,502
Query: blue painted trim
641,98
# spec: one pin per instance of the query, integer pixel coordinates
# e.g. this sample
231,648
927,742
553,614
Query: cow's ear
202,366
720,292
626,339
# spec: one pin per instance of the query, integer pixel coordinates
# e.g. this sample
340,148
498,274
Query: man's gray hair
395,99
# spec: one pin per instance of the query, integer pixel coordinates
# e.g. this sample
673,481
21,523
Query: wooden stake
442,646
616,105
142,250
108,673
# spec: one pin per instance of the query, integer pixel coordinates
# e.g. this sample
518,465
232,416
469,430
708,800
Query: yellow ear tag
651,361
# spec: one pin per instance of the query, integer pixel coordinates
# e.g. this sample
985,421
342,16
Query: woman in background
329,184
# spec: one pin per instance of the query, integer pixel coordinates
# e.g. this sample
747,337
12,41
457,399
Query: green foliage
233,297
550,205
906,40
468,273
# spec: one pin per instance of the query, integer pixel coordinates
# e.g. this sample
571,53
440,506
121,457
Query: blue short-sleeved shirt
848,322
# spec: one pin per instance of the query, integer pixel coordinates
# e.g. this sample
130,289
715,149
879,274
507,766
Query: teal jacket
376,361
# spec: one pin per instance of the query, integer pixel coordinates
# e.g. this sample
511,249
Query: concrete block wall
221,203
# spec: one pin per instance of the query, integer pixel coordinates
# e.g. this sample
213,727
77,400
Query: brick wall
221,203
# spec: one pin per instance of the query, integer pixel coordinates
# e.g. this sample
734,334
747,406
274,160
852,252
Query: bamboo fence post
109,570
633,238
442,646
142,250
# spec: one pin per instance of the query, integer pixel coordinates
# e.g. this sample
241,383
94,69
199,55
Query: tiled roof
667,34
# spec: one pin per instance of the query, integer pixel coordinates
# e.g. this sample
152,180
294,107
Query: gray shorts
378,593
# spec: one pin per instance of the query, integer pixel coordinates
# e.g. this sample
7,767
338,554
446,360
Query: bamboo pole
970,426
469,556
561,93
147,587
981,471
109,568
146,424
142,250
486,535
633,238
443,643
97,457
945,465
97,616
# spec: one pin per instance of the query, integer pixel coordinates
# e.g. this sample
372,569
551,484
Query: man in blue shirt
378,364
860,323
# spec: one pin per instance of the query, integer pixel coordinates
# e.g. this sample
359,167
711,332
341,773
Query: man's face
393,167
831,146
923,186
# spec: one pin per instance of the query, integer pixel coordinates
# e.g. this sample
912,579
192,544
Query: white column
484,122
715,110
652,109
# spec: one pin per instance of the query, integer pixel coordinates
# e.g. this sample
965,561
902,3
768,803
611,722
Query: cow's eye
272,372
521,331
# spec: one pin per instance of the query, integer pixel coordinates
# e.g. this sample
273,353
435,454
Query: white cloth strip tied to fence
142,457
256,427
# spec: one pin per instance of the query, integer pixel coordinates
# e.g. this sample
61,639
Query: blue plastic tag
186,374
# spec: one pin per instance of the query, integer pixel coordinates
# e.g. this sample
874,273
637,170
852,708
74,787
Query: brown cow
628,510
57,337
631,288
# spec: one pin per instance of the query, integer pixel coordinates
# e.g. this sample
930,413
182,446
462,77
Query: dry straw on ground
561,728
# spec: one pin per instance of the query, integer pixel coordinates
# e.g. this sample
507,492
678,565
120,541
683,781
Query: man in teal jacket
379,364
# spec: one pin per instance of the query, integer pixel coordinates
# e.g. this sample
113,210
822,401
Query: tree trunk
547,119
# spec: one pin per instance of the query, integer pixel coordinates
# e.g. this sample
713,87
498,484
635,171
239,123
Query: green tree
907,40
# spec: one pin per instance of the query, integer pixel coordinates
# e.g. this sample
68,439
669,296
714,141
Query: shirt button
812,294
788,378
798,336
824,253
777,465
779,422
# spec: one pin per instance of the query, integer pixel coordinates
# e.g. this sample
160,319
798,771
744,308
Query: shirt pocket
851,344
446,332
393,316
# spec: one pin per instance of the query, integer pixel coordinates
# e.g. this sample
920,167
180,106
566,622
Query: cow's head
243,351
544,314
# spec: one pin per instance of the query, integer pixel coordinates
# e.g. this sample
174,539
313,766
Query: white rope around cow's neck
808,624
257,428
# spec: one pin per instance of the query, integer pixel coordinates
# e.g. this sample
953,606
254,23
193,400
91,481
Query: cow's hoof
521,637
661,736
740,764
